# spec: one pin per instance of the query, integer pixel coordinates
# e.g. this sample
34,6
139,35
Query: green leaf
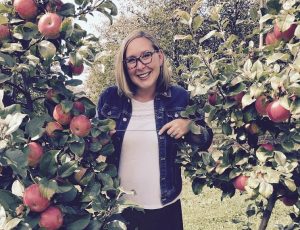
67,169
78,147
11,224
183,37
277,56
247,100
107,149
106,180
290,184
48,188
116,225
4,78
265,189
67,27
183,16
198,185
197,22
67,9
48,166
280,158
284,22
26,31
9,201
7,60
3,20
81,223
17,160
34,128
226,129
262,154
74,82
209,35
110,6
295,105
47,50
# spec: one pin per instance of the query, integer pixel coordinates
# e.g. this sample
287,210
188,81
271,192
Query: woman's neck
144,95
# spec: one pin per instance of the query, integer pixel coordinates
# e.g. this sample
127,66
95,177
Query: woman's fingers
176,128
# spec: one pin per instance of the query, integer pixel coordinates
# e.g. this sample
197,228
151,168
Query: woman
147,109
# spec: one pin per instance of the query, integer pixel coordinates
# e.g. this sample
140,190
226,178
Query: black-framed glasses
145,58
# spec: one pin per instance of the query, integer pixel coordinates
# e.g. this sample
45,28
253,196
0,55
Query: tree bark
268,211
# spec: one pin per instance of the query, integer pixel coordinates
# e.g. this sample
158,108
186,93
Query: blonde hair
124,84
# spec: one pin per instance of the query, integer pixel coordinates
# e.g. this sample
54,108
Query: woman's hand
176,128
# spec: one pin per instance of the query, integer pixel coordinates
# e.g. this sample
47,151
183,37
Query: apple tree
52,149
252,87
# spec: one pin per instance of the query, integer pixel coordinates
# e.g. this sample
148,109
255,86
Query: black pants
166,218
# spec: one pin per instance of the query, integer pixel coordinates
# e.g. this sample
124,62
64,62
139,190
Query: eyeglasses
145,58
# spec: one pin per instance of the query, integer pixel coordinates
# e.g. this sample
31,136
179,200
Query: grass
207,212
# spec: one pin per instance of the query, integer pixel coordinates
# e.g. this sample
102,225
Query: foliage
36,76
242,67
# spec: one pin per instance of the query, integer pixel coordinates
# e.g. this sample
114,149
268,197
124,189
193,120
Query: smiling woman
147,107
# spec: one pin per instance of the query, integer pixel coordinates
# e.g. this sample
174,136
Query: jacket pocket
109,111
173,114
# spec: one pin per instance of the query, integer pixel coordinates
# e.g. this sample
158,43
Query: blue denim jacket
167,106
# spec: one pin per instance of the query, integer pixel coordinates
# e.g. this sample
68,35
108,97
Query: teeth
143,75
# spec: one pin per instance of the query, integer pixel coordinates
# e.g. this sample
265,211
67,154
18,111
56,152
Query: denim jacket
167,106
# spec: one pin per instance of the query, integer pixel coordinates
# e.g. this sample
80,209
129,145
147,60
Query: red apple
240,182
51,218
35,154
26,9
289,201
51,94
51,127
238,97
212,98
49,25
80,125
54,5
34,199
79,106
267,146
76,70
285,35
4,32
271,39
261,104
253,128
61,116
276,112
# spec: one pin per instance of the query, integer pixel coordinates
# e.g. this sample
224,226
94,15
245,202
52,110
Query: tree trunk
268,211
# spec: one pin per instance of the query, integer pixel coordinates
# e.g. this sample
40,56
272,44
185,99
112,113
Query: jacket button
124,119
176,115
109,113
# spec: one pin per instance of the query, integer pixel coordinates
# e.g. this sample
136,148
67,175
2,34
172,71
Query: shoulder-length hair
123,81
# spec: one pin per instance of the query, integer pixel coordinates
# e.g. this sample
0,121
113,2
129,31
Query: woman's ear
161,56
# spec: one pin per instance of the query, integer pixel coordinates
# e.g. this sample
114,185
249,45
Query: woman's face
146,72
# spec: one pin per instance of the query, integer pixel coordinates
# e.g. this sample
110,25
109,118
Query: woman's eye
146,55
130,61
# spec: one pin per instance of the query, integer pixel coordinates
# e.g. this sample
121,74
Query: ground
207,212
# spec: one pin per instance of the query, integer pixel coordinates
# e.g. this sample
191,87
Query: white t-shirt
139,162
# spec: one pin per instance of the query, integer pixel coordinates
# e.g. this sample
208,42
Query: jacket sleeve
100,104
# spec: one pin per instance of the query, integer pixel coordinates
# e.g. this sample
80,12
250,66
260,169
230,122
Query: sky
89,26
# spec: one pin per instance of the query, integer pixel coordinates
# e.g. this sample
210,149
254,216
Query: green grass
207,212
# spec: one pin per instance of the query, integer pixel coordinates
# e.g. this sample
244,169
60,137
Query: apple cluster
79,124
49,25
51,216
